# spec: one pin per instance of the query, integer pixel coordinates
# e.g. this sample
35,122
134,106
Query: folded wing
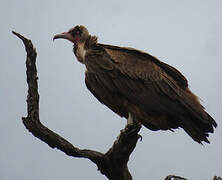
128,80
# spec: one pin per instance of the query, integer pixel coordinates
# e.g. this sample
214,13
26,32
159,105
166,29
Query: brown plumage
129,81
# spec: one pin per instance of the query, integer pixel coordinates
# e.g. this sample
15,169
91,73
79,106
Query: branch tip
113,164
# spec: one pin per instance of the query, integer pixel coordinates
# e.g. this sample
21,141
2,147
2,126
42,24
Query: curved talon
140,137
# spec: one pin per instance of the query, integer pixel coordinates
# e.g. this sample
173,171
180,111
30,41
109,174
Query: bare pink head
76,34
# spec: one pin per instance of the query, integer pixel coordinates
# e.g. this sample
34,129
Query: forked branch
113,163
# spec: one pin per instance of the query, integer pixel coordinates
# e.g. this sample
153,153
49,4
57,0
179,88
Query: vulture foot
131,130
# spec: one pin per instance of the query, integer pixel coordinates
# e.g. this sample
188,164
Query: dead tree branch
113,163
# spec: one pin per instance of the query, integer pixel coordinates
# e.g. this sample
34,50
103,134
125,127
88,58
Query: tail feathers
212,121
198,130
208,125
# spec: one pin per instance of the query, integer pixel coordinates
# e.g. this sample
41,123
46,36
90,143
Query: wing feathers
173,72
128,80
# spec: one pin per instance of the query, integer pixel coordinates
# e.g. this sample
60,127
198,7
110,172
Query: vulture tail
198,129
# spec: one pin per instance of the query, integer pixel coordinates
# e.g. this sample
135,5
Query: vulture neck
80,48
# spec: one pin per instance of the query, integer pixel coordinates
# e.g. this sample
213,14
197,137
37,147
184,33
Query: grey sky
185,34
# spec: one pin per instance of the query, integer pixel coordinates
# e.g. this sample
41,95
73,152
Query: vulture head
77,34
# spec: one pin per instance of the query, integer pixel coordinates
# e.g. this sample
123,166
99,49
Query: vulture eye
76,31
73,32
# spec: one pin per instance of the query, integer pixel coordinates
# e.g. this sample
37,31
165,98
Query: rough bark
113,163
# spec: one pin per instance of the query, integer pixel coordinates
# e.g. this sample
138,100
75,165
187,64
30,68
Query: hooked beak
64,35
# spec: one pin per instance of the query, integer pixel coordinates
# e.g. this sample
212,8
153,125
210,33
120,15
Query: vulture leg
133,126
131,119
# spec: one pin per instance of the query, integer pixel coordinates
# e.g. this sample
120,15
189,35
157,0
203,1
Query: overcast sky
185,34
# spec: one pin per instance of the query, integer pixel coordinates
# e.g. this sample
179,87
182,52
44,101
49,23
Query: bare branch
32,122
112,164
217,178
173,177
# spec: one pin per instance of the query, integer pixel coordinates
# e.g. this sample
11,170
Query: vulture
139,87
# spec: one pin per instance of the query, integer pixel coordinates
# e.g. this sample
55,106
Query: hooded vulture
138,86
